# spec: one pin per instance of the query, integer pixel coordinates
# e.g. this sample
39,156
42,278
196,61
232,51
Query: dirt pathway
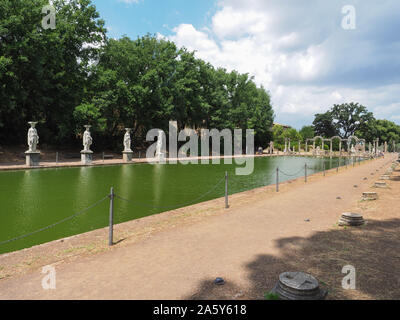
248,246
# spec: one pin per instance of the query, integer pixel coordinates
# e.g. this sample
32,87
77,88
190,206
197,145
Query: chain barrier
291,175
145,205
55,224
174,206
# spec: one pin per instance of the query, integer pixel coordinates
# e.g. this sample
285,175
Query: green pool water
34,199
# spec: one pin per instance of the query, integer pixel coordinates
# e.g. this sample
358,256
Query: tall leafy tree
43,72
342,120
324,126
73,75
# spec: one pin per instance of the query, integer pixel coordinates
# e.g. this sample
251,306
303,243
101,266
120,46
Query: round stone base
32,158
86,157
370,196
351,219
298,286
380,184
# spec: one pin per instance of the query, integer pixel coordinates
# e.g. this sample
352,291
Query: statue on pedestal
127,154
87,139
127,140
33,137
86,153
32,155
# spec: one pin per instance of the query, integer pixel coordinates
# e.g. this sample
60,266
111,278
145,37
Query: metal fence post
56,157
110,234
305,172
226,190
103,156
323,166
277,179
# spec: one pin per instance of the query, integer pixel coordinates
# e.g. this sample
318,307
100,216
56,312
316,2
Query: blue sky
153,16
302,51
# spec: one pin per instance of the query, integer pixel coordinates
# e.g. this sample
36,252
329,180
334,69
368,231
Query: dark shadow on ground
373,249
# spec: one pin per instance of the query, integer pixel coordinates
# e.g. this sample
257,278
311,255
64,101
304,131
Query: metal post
56,157
139,154
323,165
277,179
337,168
226,190
110,234
305,172
103,156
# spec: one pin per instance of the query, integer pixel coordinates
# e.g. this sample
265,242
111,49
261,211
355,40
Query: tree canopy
342,120
384,130
75,75
43,72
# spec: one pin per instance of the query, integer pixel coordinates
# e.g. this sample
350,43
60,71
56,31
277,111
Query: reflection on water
33,199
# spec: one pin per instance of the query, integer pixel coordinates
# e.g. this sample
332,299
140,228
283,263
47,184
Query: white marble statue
87,139
127,140
33,137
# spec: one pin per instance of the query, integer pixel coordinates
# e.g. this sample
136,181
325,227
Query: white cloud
301,54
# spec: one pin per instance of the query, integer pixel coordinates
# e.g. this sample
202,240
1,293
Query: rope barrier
54,224
174,206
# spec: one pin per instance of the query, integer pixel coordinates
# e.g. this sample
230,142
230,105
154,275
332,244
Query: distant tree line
350,119
344,120
75,75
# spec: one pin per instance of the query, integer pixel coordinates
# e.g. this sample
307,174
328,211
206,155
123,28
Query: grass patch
271,296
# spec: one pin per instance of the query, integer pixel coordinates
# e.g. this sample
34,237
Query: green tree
43,72
130,86
324,126
342,120
280,134
385,130
73,75
307,132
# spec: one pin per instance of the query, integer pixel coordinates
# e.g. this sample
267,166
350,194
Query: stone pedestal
351,219
86,157
298,286
32,158
380,184
127,156
369,196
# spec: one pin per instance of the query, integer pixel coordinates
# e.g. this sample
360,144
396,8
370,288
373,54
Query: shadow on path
373,249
